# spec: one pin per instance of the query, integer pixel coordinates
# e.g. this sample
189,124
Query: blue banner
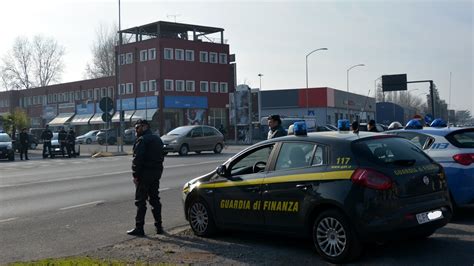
127,104
185,102
150,102
83,109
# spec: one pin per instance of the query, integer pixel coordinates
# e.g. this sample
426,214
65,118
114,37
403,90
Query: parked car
341,190
196,138
379,127
6,147
107,135
453,148
88,138
129,136
56,147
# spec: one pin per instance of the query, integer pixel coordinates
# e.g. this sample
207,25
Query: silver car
87,138
193,138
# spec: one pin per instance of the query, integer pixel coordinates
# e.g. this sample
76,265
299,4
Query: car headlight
9,146
174,141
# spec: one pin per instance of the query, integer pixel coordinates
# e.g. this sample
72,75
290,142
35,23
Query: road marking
96,175
8,220
163,189
82,205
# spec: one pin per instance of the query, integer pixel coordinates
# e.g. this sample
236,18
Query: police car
339,188
453,148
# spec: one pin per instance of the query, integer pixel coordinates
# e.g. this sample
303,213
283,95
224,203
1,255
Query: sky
427,40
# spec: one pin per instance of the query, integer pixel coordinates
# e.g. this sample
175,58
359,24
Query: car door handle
209,191
253,189
304,186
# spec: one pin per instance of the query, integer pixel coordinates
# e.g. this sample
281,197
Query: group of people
66,140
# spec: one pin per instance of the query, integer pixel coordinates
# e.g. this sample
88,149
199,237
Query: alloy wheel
331,237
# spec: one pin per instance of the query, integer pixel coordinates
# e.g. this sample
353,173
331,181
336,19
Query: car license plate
425,217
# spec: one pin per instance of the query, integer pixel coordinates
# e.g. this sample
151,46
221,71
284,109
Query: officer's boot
139,222
157,215
137,231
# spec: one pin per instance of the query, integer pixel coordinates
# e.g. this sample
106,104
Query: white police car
453,148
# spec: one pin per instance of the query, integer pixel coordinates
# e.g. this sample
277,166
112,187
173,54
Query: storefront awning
79,120
128,114
60,119
143,114
96,119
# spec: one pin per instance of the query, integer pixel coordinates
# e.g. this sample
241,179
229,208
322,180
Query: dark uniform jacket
62,135
148,156
71,137
24,140
47,135
276,132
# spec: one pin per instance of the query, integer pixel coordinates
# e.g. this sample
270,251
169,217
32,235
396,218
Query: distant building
172,74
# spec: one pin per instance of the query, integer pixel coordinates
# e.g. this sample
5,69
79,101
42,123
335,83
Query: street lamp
319,49
358,65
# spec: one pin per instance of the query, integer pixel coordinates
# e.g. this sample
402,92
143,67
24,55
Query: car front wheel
334,239
183,150
218,148
88,141
200,218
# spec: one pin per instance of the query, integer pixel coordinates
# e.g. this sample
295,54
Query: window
55,98
60,98
294,155
245,164
195,133
71,96
213,58
103,92
152,54
121,89
180,85
65,97
224,87
462,138
90,94
34,99
143,55
152,85
214,87
84,94
208,131
222,58
190,85
418,139
168,84
189,55
110,92
122,59
203,57
129,58
204,86
179,54
319,158
129,88
97,94
50,98
143,86
45,100
169,53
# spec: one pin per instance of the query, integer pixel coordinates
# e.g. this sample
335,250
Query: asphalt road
60,207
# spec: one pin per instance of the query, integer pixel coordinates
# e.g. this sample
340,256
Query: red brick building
173,74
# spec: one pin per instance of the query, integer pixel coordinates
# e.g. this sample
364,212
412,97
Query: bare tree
32,64
103,52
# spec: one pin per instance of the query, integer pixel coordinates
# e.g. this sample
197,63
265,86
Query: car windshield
389,151
178,131
55,136
5,138
462,138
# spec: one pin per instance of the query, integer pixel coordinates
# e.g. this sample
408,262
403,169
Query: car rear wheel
88,141
200,218
101,142
218,148
183,150
334,239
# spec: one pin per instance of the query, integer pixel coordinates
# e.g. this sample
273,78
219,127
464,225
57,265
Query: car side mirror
221,170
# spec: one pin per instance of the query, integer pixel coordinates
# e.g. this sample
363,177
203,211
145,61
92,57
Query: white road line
8,220
163,189
82,205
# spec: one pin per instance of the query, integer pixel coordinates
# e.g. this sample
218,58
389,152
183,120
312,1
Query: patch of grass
76,261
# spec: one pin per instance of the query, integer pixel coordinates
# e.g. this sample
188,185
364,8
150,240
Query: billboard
394,82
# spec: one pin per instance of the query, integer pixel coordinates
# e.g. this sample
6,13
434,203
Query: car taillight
371,179
464,158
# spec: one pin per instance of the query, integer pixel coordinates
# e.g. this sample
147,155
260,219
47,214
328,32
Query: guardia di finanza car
340,189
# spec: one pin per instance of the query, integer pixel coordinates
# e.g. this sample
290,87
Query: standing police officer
71,143
62,138
147,168
46,136
24,143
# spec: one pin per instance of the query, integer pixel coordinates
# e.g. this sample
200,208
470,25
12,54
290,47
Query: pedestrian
62,138
371,126
222,130
24,143
355,127
275,128
46,136
147,167
71,143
